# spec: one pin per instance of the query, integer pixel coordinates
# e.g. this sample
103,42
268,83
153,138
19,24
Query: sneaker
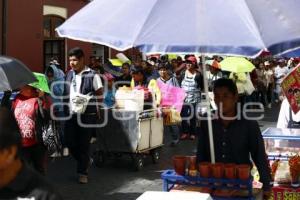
174,143
184,136
269,106
192,137
83,179
66,151
93,140
55,154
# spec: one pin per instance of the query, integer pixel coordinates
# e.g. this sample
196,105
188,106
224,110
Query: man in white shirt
280,72
81,80
287,118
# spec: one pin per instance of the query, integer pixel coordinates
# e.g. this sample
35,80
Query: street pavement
116,180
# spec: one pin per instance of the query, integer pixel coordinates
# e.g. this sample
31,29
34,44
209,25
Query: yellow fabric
152,86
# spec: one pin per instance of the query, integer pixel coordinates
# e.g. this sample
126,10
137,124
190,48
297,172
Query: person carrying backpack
26,111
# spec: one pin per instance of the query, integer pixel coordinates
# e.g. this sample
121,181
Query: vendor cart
138,134
281,145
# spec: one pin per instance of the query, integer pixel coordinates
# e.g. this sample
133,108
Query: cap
213,63
137,69
192,59
108,76
163,66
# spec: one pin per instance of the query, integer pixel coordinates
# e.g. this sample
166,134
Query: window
54,46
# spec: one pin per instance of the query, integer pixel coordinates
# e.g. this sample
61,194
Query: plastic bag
171,116
80,103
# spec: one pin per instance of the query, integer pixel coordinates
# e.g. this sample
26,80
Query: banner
291,88
171,96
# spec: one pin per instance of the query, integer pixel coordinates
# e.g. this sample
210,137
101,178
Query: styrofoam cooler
131,100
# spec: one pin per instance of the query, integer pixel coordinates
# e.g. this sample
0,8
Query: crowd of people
97,84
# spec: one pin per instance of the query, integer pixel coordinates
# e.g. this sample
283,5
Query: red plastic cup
230,171
243,172
218,170
179,163
204,169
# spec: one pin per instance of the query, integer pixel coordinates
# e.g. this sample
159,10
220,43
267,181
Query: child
109,94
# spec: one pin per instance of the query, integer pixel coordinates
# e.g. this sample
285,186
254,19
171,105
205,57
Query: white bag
80,102
248,87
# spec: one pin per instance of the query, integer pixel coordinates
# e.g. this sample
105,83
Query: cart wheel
155,155
138,162
99,158
118,155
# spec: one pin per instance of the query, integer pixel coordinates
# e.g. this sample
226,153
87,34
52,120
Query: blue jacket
57,87
86,87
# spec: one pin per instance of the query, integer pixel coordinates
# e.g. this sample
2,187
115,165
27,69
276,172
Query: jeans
188,126
174,130
59,124
270,93
77,139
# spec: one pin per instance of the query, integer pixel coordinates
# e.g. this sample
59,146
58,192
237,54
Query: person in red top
25,108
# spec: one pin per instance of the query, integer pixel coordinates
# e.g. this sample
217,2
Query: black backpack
46,131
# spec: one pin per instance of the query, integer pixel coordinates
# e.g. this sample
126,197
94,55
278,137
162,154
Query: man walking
81,82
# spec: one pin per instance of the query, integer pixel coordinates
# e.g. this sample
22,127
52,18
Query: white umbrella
228,27
234,27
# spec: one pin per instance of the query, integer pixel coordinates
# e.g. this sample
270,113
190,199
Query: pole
210,131
4,27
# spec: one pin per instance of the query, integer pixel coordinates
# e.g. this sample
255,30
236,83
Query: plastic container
204,169
230,172
243,171
217,170
179,163
130,100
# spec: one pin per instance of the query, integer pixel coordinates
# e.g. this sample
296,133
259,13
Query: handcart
138,134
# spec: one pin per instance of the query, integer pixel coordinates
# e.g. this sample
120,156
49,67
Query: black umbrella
14,74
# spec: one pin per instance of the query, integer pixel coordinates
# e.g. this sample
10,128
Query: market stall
221,181
283,146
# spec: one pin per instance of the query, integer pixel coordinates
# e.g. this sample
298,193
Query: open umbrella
237,65
41,83
213,63
116,62
235,27
14,74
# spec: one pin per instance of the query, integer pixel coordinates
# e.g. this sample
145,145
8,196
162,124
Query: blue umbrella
235,27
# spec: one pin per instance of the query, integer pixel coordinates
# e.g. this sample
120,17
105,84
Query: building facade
27,32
